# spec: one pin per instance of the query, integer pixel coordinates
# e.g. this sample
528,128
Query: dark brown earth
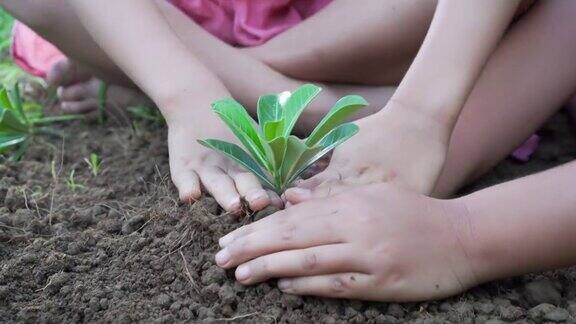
121,248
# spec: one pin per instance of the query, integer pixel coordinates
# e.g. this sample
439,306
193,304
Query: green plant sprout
94,163
272,153
71,182
20,122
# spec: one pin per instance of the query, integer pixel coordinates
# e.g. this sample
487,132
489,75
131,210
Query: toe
75,92
65,72
79,107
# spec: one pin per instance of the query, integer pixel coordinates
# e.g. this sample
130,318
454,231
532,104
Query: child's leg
529,76
372,42
56,21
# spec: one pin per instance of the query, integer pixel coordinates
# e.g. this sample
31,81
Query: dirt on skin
120,248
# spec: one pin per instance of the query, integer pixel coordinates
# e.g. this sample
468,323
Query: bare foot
78,91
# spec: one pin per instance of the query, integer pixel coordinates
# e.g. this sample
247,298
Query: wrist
189,107
412,118
492,252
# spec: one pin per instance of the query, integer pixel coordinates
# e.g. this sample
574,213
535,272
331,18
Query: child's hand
193,166
376,242
396,145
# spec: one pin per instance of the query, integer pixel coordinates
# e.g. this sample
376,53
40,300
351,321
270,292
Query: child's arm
383,243
136,36
408,139
525,225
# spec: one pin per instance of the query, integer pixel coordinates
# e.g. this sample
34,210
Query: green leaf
295,147
16,101
8,140
269,109
273,129
54,119
242,125
19,152
237,154
4,100
343,109
9,122
296,104
336,137
278,147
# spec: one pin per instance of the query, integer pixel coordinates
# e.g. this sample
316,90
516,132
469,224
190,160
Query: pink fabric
32,53
524,152
248,22
237,22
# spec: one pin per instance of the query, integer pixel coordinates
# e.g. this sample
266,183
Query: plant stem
102,94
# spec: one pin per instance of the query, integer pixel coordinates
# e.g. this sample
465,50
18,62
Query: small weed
71,182
94,163
20,121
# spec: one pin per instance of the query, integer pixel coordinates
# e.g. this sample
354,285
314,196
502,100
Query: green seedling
272,153
20,122
94,162
71,182
146,113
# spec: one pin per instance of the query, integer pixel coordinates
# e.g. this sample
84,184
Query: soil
120,247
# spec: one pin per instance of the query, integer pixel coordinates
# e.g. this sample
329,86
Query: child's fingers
251,190
344,285
188,184
296,195
330,174
275,200
289,236
324,259
221,186
79,107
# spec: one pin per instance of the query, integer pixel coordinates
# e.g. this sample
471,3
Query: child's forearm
524,225
461,37
135,34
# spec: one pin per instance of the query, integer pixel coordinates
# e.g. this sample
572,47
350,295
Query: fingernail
243,273
222,257
284,284
225,240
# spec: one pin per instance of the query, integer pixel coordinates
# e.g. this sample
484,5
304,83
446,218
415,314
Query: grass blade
55,119
16,101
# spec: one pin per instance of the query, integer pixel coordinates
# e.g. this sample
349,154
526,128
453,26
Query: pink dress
237,22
